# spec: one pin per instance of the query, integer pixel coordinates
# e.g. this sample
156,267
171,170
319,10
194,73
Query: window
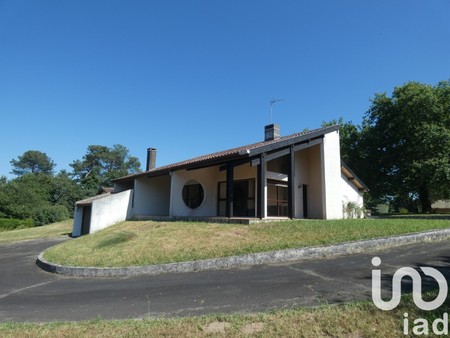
193,194
277,198
243,198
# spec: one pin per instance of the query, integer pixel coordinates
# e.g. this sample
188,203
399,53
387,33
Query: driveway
29,294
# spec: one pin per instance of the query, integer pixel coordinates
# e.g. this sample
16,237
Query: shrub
382,208
13,224
352,210
403,211
50,214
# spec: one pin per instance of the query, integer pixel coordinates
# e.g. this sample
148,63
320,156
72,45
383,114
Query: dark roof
224,156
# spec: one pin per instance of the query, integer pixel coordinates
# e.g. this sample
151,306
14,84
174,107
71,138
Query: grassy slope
352,320
45,231
147,242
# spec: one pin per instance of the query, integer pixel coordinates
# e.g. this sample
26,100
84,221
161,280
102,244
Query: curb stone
272,257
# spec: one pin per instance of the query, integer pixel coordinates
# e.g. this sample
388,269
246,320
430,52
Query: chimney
271,132
151,159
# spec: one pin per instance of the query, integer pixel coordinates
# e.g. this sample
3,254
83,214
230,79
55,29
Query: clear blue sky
194,77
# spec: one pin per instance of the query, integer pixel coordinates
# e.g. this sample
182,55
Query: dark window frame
193,194
251,198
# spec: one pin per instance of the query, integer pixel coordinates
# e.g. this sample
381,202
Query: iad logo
420,324
417,287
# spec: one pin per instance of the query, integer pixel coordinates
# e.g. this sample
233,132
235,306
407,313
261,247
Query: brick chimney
271,132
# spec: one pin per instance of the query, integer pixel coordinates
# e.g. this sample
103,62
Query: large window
277,198
243,198
193,194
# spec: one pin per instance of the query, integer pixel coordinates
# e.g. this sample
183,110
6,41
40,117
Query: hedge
12,223
50,214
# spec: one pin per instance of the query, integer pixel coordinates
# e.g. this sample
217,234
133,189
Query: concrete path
29,294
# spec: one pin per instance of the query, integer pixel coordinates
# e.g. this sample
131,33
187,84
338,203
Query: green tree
100,165
405,143
35,196
65,191
33,161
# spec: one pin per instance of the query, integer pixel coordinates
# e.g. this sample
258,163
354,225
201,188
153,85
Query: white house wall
110,210
331,174
350,193
207,177
152,196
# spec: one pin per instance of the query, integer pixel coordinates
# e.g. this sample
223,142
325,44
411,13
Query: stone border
279,256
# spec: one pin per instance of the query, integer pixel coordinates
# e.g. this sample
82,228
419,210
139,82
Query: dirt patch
215,327
253,328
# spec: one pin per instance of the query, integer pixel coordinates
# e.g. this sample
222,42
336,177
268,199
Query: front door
86,220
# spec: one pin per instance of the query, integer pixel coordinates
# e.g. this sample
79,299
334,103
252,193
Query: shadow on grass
114,239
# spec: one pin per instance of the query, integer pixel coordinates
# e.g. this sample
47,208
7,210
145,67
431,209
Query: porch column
230,190
261,187
291,184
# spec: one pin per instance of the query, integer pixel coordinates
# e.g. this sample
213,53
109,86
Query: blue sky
194,77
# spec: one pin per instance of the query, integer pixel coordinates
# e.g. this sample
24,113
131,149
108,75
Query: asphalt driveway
29,294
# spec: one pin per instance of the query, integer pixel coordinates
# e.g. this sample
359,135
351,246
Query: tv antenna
272,102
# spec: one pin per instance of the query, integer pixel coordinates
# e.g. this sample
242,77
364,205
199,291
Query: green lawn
149,242
361,319
45,231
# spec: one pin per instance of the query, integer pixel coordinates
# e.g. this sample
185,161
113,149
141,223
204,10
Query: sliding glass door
277,198
243,198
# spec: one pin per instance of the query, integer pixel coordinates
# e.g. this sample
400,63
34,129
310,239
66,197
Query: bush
50,214
382,208
13,224
352,210
403,211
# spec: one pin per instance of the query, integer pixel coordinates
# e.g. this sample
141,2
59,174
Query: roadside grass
417,216
44,231
360,319
148,242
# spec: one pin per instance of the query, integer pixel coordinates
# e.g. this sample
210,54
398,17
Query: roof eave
188,166
241,154
364,187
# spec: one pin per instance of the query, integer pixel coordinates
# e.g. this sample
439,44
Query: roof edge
240,152
343,164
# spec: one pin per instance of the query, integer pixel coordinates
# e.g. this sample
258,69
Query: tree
405,140
30,196
33,161
65,191
100,165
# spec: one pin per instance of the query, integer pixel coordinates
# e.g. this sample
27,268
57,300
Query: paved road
30,294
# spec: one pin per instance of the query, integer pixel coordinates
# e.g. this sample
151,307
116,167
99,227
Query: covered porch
276,184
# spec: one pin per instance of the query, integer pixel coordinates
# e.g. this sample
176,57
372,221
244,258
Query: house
295,176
